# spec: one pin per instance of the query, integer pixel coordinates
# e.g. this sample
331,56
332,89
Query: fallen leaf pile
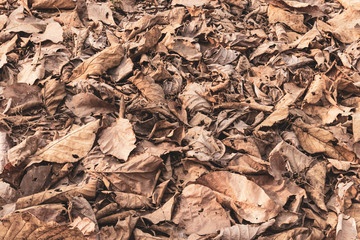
207,119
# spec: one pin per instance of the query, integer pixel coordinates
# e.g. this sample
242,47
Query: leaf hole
75,156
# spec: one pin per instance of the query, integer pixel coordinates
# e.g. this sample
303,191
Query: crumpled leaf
204,146
99,63
118,134
192,99
199,212
70,148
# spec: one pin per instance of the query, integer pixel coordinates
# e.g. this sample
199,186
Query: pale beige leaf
346,228
118,139
352,4
356,125
345,24
70,148
99,63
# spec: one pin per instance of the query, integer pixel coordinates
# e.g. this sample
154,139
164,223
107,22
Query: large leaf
70,148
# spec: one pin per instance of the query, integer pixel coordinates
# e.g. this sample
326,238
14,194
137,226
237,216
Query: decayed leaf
5,48
247,199
318,140
99,63
70,148
243,144
346,228
186,49
247,164
118,134
356,125
53,94
344,25
199,212
21,152
284,156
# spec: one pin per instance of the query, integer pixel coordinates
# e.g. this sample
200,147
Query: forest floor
225,119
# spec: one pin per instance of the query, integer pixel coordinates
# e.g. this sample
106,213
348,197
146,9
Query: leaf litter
180,119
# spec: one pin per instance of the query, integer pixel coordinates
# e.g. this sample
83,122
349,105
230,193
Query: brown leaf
61,194
138,175
316,176
164,213
85,104
147,86
99,63
294,21
255,206
52,4
315,91
118,134
70,148
199,212
53,94
26,226
318,140
244,232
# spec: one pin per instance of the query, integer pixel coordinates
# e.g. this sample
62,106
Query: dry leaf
99,63
249,200
199,212
118,139
70,148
